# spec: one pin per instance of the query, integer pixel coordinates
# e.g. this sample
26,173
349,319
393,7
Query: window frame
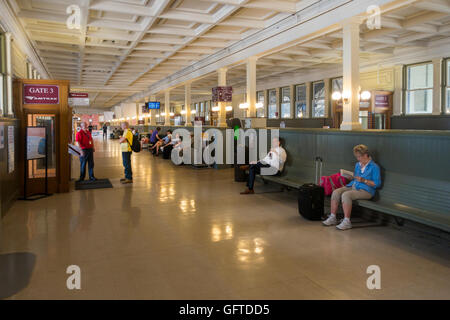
297,101
314,100
269,104
263,109
406,90
282,95
3,76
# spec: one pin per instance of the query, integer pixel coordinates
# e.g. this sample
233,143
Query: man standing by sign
86,143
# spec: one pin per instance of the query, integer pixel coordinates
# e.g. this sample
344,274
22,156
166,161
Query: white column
9,89
437,86
153,112
187,104
167,107
222,105
398,91
251,86
29,71
351,76
35,74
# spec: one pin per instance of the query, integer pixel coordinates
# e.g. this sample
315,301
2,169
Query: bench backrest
415,165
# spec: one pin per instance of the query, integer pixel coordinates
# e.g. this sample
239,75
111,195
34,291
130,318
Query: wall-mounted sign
145,109
2,137
79,99
11,150
222,94
382,101
40,94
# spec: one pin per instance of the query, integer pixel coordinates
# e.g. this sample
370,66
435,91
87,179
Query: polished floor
182,233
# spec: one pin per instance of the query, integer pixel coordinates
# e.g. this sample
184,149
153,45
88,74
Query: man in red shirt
86,143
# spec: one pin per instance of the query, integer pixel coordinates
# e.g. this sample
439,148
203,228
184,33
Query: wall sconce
171,114
183,112
163,114
346,97
229,108
193,111
366,95
259,105
157,115
336,96
243,106
215,109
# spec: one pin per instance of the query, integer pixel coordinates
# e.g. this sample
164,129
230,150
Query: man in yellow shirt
125,144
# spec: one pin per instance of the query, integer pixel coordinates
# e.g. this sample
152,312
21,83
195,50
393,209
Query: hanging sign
40,94
222,94
79,99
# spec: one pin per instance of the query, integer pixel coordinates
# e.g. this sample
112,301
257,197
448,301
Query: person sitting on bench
275,160
164,141
367,179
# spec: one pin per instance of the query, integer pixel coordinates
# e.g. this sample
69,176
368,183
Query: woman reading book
366,180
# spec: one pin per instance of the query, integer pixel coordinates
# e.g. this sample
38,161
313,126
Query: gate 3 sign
40,94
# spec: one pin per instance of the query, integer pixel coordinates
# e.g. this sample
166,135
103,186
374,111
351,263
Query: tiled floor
181,233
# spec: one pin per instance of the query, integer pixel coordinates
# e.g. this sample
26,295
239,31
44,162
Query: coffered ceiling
125,46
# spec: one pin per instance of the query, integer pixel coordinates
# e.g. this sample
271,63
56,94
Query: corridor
182,233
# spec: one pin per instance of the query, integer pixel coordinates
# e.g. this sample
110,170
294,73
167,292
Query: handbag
333,182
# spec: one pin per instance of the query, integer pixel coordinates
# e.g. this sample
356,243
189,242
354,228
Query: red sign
40,94
222,94
78,95
382,101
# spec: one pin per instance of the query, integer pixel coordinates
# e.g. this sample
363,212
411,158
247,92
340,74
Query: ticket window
374,113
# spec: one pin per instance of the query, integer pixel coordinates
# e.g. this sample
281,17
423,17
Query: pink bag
332,183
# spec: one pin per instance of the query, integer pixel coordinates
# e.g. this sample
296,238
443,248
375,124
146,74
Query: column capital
222,70
252,59
352,22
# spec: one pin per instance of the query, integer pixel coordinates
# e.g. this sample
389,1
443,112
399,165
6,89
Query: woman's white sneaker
345,225
331,221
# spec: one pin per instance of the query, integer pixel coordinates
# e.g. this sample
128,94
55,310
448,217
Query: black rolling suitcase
167,152
311,197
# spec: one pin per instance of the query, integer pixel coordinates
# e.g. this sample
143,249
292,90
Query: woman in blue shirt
367,179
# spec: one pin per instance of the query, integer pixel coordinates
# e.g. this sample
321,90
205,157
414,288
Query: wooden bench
410,190
412,198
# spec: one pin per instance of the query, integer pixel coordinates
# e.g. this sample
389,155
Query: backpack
136,145
332,183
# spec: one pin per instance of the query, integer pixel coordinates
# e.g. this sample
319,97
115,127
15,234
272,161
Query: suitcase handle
318,171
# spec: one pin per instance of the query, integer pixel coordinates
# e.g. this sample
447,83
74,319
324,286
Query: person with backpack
126,141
